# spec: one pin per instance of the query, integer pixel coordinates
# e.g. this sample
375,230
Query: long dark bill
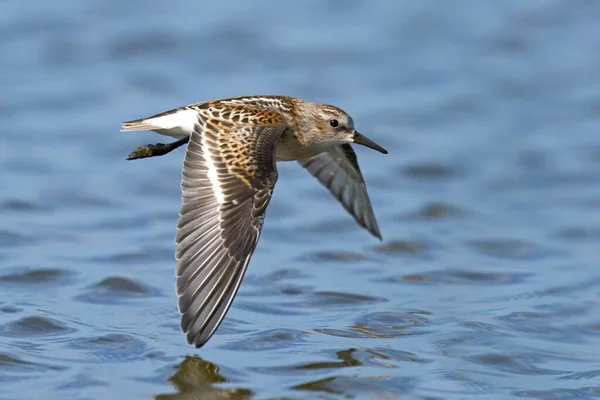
359,138
158,149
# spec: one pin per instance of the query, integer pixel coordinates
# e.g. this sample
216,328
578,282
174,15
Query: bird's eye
334,123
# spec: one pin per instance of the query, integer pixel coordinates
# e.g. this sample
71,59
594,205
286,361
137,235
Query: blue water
487,283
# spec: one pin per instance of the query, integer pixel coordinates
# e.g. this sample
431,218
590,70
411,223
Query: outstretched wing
228,177
338,170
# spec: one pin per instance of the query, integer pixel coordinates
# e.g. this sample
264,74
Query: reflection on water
382,325
195,379
485,285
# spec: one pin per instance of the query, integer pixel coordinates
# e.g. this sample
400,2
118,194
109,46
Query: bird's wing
228,177
338,170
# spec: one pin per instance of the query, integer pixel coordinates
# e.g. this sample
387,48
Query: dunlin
228,177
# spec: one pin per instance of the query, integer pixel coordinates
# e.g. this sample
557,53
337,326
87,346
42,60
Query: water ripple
402,247
117,289
271,339
114,348
511,363
508,249
383,325
372,386
35,326
27,276
457,276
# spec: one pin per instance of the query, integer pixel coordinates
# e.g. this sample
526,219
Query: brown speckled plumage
229,172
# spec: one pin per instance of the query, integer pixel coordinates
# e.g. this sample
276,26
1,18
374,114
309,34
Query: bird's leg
157,149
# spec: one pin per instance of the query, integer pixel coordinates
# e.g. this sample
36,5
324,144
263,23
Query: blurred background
486,283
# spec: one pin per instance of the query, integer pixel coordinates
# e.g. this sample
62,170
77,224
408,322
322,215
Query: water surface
486,284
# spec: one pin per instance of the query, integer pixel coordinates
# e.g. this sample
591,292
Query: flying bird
229,172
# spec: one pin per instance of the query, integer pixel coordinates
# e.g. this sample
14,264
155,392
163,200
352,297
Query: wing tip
192,336
368,223
374,230
194,340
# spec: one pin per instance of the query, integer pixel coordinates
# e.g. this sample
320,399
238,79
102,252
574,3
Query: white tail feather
137,126
178,124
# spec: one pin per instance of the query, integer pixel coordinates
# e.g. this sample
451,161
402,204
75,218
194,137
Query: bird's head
323,124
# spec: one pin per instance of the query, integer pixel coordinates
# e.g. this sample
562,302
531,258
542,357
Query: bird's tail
177,123
138,125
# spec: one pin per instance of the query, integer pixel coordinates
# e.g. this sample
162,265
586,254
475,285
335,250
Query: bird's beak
359,138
